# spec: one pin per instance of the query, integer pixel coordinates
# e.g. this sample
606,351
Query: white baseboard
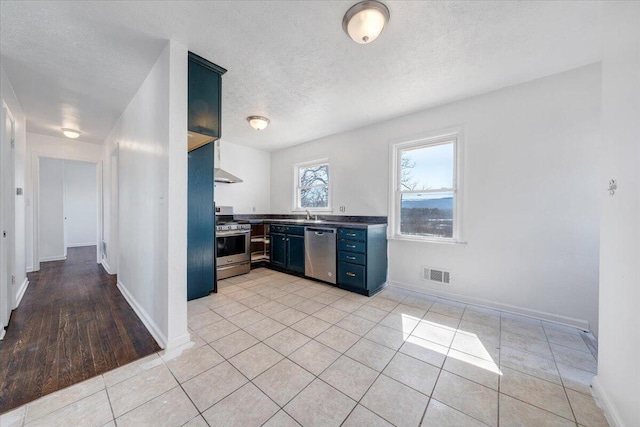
80,245
537,314
53,258
106,267
30,269
21,291
178,342
605,403
153,329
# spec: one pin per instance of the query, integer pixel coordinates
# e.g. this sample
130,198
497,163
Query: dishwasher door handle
321,231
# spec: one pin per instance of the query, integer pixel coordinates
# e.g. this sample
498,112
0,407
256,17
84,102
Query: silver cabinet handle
351,257
351,274
351,234
351,246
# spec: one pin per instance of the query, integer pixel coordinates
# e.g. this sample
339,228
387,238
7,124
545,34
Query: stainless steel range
233,244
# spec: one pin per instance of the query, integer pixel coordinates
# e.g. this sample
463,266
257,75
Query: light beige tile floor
276,350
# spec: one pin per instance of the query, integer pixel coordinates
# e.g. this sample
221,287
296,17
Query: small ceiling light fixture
364,21
258,122
70,133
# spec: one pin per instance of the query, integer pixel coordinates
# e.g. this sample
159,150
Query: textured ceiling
78,64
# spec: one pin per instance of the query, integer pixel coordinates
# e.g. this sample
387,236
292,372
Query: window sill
426,240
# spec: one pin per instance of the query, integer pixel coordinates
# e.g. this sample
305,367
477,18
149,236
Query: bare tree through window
313,186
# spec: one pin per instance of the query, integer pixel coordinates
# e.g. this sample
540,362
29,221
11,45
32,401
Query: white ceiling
78,64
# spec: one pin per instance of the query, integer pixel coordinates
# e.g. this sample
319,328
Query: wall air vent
436,275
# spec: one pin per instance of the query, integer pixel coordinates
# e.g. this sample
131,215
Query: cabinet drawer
351,246
351,257
295,229
352,234
288,229
278,228
351,275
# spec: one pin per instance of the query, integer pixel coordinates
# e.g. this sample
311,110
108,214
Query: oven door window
231,245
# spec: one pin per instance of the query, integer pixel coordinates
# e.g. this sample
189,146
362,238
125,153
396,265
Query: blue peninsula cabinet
362,259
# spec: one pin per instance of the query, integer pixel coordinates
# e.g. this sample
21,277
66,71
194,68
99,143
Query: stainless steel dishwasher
320,253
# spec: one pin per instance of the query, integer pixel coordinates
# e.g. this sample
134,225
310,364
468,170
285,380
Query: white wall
618,380
80,207
51,202
8,97
38,146
530,195
253,167
151,136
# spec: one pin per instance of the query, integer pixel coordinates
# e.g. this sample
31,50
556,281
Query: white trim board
176,343
81,245
605,403
106,267
153,329
522,311
21,291
53,258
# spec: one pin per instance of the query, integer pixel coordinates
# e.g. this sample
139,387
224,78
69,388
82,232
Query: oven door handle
232,233
229,267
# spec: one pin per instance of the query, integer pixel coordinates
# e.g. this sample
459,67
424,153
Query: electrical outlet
343,208
254,208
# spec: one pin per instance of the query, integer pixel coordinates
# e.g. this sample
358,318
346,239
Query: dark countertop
323,221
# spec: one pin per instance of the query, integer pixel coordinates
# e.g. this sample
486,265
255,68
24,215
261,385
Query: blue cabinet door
200,223
279,249
295,253
204,101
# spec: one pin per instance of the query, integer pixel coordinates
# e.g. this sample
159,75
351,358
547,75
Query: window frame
454,135
297,200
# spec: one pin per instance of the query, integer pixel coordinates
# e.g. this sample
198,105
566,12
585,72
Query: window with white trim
313,187
426,192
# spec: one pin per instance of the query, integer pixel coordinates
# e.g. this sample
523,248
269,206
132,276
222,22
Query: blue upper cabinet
205,100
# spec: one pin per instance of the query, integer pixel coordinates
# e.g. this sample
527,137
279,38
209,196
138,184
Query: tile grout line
363,336
564,389
540,379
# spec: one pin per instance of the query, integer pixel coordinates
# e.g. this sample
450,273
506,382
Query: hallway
72,324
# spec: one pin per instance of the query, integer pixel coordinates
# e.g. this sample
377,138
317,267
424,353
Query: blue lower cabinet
279,249
351,275
296,253
362,259
287,248
352,257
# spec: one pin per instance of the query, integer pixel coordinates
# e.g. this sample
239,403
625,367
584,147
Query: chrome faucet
308,214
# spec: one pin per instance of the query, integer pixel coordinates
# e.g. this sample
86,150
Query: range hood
221,175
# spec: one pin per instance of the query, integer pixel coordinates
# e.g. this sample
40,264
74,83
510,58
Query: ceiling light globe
70,133
258,122
364,21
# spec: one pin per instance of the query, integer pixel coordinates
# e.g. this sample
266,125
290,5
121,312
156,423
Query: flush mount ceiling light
258,122
70,133
364,21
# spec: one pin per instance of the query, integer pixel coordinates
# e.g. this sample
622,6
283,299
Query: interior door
7,285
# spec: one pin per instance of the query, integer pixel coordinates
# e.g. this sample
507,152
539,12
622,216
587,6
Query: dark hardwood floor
72,324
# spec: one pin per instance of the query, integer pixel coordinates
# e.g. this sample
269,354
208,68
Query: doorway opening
67,207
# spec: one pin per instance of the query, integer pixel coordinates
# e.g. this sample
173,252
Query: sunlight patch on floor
479,357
